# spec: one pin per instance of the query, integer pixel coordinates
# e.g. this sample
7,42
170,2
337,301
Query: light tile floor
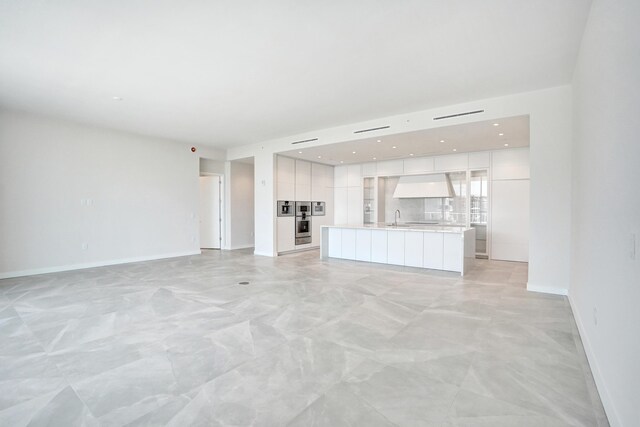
307,343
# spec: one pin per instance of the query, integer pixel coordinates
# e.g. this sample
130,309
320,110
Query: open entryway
210,212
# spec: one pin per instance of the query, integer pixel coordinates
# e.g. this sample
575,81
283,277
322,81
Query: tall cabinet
303,181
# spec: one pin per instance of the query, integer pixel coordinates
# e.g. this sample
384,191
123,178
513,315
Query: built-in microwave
285,208
317,208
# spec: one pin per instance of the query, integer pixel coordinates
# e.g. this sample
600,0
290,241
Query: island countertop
404,227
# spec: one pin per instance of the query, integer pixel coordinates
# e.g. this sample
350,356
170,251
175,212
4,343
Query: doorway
210,212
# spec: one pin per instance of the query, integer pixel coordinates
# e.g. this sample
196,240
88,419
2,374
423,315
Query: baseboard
69,267
269,254
547,290
248,246
605,397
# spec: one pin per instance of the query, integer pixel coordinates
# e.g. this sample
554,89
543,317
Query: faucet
395,218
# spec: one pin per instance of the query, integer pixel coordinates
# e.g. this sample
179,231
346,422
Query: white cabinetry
348,243
379,246
419,165
303,181
363,245
395,247
354,205
452,252
433,244
335,243
340,176
286,240
286,168
369,169
341,200
413,248
453,162
391,168
479,160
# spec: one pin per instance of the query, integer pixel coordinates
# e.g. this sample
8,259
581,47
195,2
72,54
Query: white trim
56,269
247,246
546,289
605,396
269,254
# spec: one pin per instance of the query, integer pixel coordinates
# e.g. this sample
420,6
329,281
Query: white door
210,212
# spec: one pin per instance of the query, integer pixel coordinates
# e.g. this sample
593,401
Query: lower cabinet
432,256
348,243
379,246
363,245
453,252
413,248
395,247
335,242
286,240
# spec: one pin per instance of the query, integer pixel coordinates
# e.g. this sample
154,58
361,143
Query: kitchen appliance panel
318,208
286,208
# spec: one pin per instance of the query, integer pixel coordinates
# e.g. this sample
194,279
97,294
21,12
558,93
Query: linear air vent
450,116
305,140
372,129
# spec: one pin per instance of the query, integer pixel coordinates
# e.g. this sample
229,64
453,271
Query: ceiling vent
371,130
450,116
304,140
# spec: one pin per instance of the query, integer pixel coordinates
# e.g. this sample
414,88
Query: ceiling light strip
458,115
372,129
305,140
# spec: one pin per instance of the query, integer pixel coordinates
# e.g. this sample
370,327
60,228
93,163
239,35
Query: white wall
212,166
241,205
605,280
64,185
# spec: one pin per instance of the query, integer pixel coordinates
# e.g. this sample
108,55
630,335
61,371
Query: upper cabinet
286,175
390,168
453,162
419,165
321,182
479,160
354,176
340,176
303,181
369,169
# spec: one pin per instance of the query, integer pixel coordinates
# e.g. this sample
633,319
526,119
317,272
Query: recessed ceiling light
506,145
442,140
501,134
353,152
496,124
393,146
341,161
116,98
411,154
379,140
455,149
374,158
319,157
299,152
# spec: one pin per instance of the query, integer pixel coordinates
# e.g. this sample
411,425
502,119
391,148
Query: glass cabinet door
369,206
479,209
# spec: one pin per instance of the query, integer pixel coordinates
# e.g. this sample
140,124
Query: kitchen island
425,246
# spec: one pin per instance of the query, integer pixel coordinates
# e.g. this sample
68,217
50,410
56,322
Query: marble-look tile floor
179,342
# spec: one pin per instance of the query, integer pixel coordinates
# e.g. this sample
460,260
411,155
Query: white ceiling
226,73
511,132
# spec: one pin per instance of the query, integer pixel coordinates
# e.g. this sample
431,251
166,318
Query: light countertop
403,227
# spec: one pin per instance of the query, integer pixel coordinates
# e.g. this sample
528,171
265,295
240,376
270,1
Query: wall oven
303,223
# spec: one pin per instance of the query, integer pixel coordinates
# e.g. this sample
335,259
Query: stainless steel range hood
436,185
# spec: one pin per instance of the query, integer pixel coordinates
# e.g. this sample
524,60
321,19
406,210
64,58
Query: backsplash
442,211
